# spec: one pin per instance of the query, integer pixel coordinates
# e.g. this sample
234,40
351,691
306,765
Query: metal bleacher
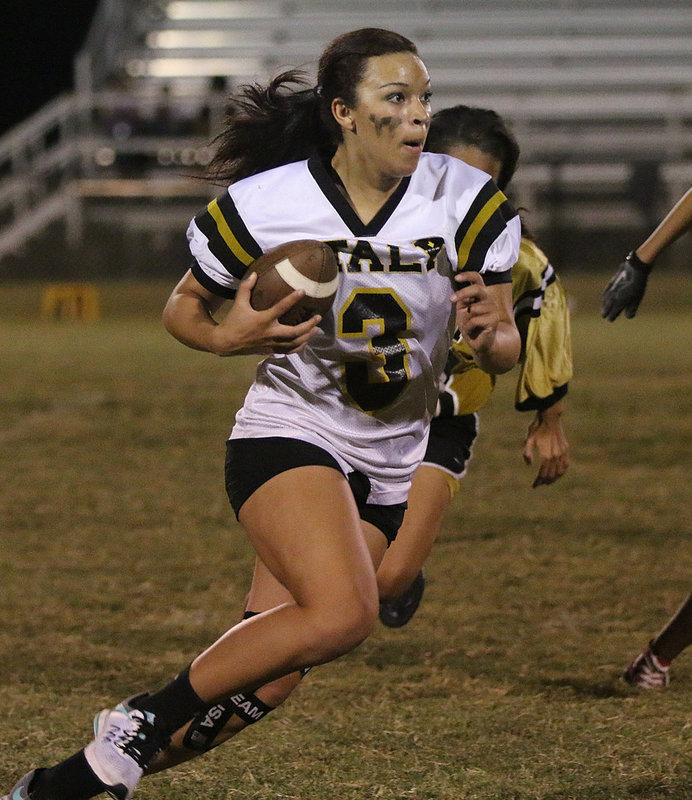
599,95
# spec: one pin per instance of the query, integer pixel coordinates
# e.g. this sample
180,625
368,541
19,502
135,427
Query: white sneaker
125,741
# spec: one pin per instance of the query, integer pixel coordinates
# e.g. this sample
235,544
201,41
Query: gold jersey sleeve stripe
227,234
484,215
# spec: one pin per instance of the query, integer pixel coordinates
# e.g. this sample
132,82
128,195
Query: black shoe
397,613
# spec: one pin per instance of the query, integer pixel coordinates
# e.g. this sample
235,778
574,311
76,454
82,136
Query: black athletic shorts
252,462
451,442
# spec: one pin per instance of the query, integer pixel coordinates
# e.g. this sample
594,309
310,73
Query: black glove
625,289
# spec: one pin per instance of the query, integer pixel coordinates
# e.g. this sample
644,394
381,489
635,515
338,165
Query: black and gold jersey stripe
484,222
529,303
229,239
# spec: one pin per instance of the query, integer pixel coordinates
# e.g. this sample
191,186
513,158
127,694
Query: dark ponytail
268,126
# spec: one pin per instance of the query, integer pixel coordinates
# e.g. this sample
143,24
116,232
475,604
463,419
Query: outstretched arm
674,224
626,288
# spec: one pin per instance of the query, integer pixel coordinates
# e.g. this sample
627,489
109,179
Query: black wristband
637,263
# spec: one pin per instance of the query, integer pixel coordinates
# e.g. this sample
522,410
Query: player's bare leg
265,593
211,730
428,501
399,576
326,559
317,550
223,721
676,635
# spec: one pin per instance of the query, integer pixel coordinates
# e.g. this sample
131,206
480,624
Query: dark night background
39,41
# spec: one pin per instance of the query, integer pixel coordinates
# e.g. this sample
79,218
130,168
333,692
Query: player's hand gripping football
546,435
246,331
625,289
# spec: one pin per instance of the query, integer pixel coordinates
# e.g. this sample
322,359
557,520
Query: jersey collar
328,181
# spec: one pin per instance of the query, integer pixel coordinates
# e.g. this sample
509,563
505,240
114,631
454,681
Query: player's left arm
546,369
485,319
547,436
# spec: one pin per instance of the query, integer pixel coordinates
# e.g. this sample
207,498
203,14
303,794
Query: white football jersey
366,385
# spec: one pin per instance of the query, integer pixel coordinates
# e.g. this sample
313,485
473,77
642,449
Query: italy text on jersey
356,255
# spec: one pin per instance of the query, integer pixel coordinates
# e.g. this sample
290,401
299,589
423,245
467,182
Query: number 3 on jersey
377,382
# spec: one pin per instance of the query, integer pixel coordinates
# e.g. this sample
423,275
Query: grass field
120,560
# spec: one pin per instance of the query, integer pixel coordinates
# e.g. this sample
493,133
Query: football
304,264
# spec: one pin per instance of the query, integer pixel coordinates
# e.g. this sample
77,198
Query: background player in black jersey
317,537
481,138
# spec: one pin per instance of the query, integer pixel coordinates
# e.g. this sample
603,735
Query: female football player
320,458
480,138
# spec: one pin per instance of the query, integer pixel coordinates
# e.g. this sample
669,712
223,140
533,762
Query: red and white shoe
647,671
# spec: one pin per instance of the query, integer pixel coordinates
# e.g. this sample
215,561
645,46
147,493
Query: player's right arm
223,250
672,226
189,317
626,288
